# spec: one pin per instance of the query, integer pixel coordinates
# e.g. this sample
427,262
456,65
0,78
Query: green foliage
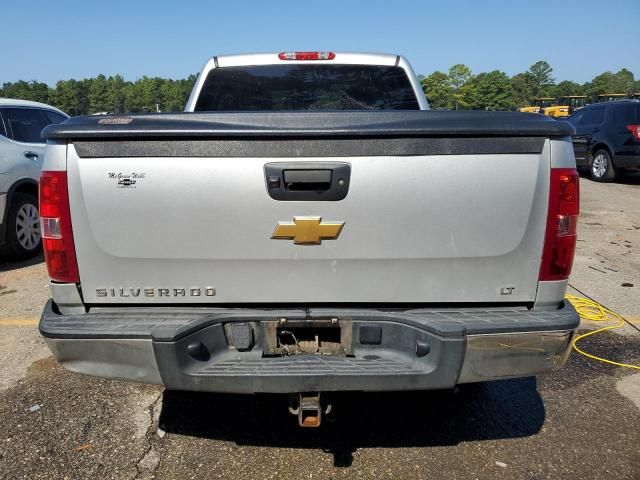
607,82
567,87
69,96
438,90
496,91
491,91
35,91
521,89
98,95
540,78
106,94
459,75
461,90
450,90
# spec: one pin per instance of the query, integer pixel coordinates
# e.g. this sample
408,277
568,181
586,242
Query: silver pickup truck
307,226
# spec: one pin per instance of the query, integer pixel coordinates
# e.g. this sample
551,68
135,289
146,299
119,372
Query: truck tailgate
184,220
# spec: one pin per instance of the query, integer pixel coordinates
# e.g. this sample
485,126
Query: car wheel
23,227
602,167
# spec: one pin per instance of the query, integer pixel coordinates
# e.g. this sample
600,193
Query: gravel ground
583,421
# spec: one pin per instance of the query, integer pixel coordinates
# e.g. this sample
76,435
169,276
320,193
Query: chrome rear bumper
491,357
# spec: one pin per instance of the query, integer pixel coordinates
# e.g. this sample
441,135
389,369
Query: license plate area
308,337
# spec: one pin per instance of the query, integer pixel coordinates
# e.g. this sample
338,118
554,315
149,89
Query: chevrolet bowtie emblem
307,230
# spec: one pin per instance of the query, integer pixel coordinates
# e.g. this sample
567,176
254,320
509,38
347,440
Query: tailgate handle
307,179
313,181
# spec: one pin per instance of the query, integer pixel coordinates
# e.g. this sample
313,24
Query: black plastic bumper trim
170,324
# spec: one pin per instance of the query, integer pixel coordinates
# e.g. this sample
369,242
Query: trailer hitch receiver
308,408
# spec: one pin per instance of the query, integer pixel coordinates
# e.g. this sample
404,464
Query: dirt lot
580,422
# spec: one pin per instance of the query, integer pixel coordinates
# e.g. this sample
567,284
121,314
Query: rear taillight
635,131
306,56
562,221
57,236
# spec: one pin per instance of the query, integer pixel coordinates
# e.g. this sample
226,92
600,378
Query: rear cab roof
351,58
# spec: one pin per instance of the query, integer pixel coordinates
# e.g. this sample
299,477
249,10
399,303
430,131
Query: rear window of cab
307,87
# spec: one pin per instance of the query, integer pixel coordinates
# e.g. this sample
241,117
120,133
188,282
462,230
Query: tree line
106,94
458,88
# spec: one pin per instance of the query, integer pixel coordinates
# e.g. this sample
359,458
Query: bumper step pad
308,365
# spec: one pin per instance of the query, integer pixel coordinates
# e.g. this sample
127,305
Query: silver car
21,155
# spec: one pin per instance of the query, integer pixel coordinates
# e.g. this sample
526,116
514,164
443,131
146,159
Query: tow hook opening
308,340
307,337
308,408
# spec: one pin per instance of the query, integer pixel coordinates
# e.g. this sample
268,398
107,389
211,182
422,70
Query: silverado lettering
152,292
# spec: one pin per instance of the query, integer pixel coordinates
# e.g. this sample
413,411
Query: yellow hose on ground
593,311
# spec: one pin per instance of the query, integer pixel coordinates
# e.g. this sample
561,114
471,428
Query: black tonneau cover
310,124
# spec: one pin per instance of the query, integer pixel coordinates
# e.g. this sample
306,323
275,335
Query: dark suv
607,138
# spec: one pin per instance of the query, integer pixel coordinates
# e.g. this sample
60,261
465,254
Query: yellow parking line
18,322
